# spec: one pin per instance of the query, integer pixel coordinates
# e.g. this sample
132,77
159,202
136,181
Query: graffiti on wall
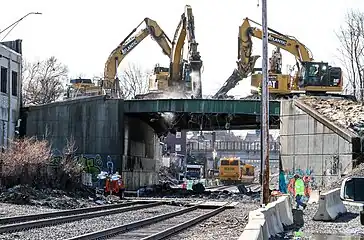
91,163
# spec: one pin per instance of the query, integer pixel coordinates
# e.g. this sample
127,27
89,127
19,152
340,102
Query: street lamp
12,26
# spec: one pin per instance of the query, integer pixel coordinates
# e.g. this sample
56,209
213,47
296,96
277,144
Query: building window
14,83
4,79
178,134
177,147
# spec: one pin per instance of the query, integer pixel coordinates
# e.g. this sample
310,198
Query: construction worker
260,89
299,191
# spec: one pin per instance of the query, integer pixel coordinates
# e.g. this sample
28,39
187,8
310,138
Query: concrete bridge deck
208,106
211,114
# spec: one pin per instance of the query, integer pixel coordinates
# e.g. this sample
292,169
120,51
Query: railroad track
219,188
20,223
157,227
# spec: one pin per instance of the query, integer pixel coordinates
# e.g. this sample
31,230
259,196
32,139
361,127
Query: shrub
28,162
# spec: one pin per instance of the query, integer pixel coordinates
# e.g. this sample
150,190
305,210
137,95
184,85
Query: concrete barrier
269,221
285,210
314,197
253,230
330,206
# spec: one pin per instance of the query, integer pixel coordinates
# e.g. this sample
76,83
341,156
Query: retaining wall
313,146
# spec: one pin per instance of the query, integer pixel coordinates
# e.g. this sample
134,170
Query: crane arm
130,42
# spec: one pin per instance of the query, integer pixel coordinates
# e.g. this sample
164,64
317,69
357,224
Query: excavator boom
129,43
186,73
195,62
324,78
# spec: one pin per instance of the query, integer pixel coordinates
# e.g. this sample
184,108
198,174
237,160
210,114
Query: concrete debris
46,197
343,112
356,172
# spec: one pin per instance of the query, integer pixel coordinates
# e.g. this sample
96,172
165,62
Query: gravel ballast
12,210
68,230
226,225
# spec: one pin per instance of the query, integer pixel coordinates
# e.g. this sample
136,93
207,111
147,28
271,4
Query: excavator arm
194,58
246,61
177,51
129,43
290,44
186,71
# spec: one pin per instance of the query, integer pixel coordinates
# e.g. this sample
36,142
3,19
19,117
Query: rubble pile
52,198
166,176
343,112
356,172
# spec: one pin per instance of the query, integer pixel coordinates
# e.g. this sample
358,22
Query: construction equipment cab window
321,74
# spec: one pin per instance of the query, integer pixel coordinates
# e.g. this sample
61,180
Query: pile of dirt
52,198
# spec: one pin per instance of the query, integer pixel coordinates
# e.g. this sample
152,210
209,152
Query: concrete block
314,197
330,206
258,215
253,231
275,217
285,210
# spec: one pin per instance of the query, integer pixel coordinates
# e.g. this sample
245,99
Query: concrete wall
95,124
309,147
142,155
10,100
99,128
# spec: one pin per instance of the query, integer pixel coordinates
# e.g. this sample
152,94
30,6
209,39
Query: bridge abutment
99,129
313,146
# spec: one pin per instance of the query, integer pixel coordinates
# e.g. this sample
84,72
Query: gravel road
227,225
67,230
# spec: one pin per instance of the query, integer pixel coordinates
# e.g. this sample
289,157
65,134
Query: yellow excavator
184,75
109,85
312,78
111,80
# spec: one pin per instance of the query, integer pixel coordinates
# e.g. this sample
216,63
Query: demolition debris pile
52,198
345,113
356,172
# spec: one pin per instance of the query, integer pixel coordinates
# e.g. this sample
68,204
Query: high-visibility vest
260,89
299,187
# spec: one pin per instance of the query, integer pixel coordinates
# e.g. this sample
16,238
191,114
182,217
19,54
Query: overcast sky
83,33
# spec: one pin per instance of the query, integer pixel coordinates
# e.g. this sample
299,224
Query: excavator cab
320,77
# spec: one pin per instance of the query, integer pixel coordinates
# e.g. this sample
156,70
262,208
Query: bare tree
43,82
351,37
133,81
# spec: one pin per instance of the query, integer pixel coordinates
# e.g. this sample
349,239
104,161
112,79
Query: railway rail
20,223
157,227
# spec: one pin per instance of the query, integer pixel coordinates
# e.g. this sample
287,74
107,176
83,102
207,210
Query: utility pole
265,111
